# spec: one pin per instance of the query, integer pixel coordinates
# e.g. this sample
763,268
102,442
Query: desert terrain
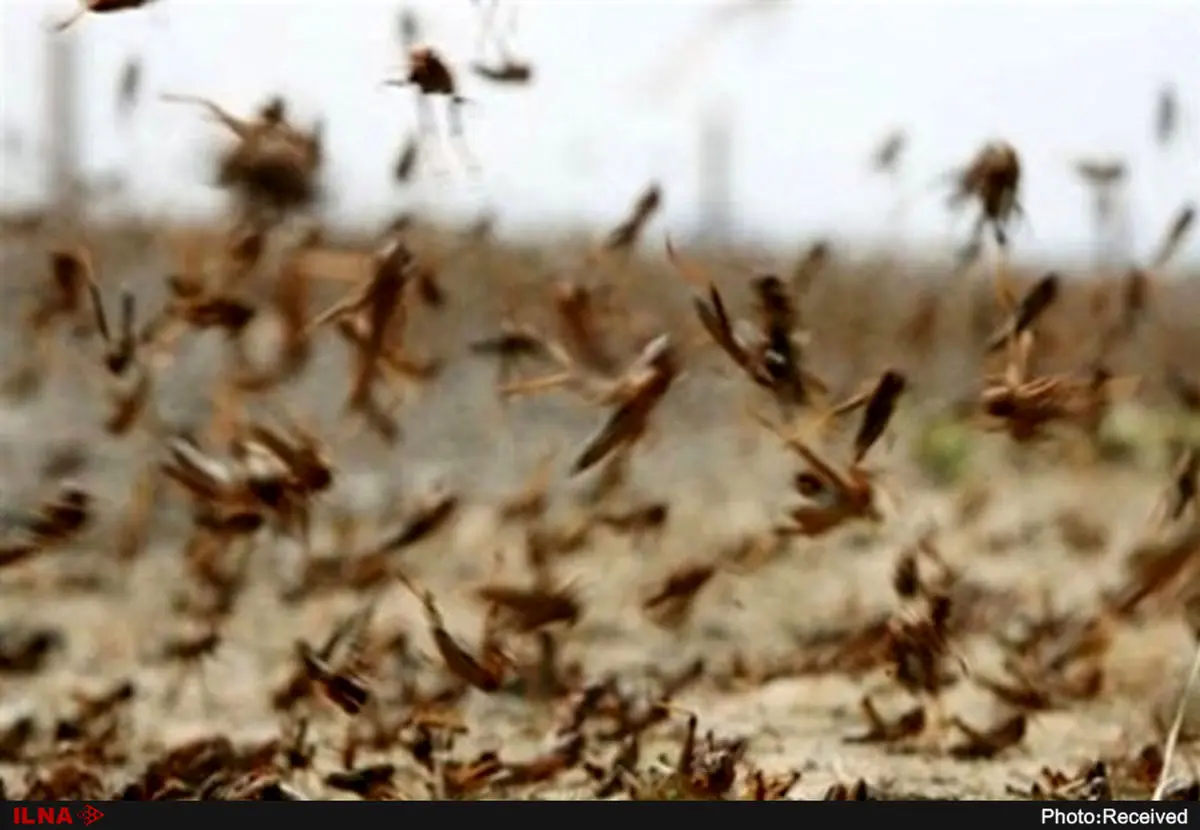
1030,533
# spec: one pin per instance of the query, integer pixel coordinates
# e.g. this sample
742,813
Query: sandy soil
724,478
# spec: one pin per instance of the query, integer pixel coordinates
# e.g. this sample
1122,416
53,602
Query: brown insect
25,649
579,329
371,783
373,319
992,179
1104,178
1166,114
223,499
406,160
638,520
565,755
343,683
882,730
532,500
189,651
273,165
1176,235
670,604
486,674
436,511
129,87
66,780
1100,172
460,779
918,634
1183,492
93,708
886,158
773,358
989,743
1023,692
808,265
1041,295
285,469
526,610
129,380
634,395
408,27
625,235
432,76
1024,406
193,305
61,299
100,7
509,70
290,296
52,523
299,685
71,273
705,769
1091,783
512,344
835,496
857,790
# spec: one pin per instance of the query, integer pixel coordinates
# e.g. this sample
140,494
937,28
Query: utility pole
715,170
61,101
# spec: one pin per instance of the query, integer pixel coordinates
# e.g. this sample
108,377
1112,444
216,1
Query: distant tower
716,174
62,122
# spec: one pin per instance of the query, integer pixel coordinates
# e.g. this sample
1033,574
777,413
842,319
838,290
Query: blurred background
758,118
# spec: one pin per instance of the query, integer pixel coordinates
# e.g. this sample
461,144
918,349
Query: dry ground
723,478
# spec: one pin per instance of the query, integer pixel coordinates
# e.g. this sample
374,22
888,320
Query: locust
633,396
129,379
61,299
52,523
627,233
373,319
836,496
1024,406
273,165
342,683
772,357
431,75
991,179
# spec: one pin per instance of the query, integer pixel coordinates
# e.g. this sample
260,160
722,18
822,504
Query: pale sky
814,84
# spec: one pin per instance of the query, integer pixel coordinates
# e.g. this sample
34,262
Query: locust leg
226,412
165,341
428,138
131,535
208,700
411,367
68,22
850,404
937,722
532,386
457,138
1005,296
487,25
335,311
